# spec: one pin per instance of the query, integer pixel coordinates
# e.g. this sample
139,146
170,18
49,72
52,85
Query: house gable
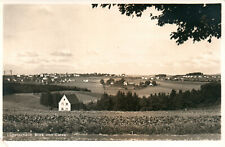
64,104
64,99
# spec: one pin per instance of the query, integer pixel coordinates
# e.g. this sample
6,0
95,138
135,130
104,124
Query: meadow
97,90
93,83
30,100
23,101
163,86
112,122
24,118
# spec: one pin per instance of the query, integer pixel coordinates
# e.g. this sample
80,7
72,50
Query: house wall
64,104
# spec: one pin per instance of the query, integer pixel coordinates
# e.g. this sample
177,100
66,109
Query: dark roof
72,98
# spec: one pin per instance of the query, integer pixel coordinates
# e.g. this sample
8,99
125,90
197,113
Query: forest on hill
209,94
11,88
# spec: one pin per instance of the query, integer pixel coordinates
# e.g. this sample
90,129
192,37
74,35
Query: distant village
46,78
56,78
194,77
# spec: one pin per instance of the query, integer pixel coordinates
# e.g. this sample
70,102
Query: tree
111,80
186,99
211,92
120,82
143,103
154,83
147,83
102,82
105,103
171,99
172,93
194,21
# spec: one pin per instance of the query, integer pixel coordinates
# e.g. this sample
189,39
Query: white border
223,72
1,68
116,143
112,1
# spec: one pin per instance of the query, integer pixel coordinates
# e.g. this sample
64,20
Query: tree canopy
194,21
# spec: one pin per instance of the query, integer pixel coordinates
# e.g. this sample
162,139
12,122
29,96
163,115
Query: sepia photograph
111,72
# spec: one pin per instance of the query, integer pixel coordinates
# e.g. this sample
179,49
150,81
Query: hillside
22,101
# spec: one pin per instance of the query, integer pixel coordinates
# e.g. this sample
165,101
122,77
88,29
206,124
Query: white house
64,104
85,81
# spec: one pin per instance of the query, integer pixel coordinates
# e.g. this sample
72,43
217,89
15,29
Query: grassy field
23,114
93,83
163,86
25,119
28,100
109,122
17,100
23,101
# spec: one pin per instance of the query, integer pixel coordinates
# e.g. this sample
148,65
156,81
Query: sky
75,38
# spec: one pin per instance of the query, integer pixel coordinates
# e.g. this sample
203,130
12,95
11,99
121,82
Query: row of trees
52,99
194,74
10,88
120,102
209,94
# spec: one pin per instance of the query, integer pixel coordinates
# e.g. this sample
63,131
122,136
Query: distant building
161,75
76,75
85,81
67,103
144,78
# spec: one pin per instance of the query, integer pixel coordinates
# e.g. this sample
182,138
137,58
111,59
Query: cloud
27,54
62,54
43,9
31,61
92,52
